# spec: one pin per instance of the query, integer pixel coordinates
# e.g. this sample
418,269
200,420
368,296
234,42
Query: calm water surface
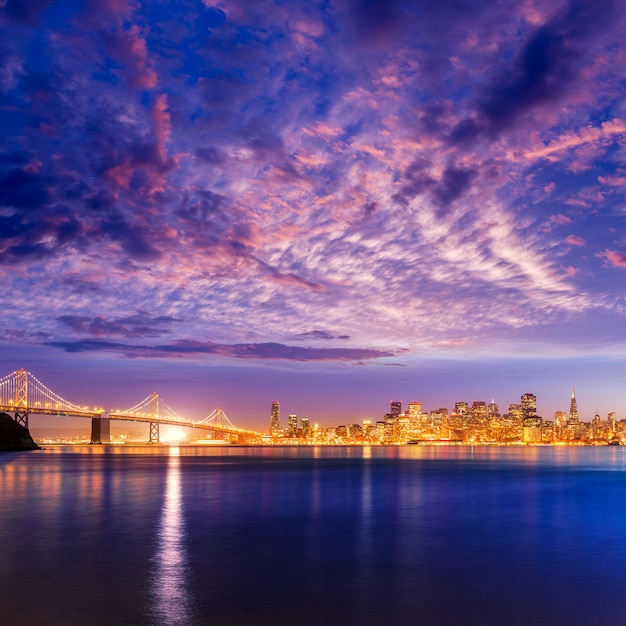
394,535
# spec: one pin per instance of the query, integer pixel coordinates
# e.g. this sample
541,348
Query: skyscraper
529,405
292,425
306,428
415,412
493,410
573,409
611,418
460,408
396,409
275,419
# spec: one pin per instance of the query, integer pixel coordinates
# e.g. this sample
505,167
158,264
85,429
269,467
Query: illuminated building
275,419
306,427
548,432
515,411
415,412
355,431
532,425
403,433
292,425
573,409
529,405
493,410
390,432
457,423
560,418
396,409
478,412
532,430
437,418
612,423
460,408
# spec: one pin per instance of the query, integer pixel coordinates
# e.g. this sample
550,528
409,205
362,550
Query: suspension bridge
23,394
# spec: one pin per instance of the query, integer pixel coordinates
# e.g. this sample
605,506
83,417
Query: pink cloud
614,258
612,181
162,125
129,48
570,140
572,240
560,219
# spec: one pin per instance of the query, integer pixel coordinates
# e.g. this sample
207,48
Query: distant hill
14,436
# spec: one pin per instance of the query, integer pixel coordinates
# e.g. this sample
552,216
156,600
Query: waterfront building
477,421
292,425
306,427
275,418
390,433
457,425
612,422
548,432
355,431
532,430
438,418
414,412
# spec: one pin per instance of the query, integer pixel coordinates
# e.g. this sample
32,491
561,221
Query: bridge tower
153,408
21,397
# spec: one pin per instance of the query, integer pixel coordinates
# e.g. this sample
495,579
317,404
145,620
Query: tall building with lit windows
612,421
493,410
292,425
275,418
415,412
573,409
460,408
306,427
396,409
529,405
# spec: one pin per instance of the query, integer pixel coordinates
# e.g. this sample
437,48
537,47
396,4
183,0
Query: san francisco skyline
334,205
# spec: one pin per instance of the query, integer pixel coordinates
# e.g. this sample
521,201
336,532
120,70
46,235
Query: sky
331,204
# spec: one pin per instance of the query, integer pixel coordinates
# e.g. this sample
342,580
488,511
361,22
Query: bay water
233,535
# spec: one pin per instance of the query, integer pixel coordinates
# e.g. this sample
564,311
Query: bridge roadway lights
154,432
21,417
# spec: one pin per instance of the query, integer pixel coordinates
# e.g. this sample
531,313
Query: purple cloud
181,348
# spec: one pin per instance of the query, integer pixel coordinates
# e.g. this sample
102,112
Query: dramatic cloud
437,176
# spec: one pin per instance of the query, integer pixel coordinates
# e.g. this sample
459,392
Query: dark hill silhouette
14,436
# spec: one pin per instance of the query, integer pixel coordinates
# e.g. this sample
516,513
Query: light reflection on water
169,585
230,536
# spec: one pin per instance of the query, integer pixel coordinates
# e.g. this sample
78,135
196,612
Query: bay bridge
23,394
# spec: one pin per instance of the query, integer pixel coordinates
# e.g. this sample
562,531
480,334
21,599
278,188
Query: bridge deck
9,408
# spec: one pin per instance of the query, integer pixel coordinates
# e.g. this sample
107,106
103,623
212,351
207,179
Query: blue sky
348,201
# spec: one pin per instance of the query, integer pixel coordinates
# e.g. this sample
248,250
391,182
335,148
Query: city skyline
326,203
35,393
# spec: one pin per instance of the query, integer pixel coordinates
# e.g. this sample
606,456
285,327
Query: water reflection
170,594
